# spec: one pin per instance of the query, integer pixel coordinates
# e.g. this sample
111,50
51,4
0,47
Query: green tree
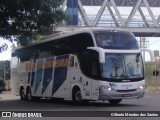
26,18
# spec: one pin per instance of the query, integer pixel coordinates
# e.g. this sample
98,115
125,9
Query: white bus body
78,76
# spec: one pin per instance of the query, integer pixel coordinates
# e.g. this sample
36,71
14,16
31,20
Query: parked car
2,85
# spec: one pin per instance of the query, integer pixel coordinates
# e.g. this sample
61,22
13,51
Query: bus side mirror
101,53
151,53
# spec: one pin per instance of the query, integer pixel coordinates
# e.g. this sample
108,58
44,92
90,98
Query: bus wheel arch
22,93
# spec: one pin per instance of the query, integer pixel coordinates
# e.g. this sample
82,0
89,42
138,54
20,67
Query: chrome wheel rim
78,96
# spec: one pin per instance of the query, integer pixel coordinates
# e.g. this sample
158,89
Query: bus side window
89,64
94,69
35,55
43,54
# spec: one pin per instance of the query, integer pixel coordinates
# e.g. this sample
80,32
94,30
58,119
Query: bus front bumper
110,94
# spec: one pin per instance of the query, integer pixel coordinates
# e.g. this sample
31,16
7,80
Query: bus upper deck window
104,41
116,40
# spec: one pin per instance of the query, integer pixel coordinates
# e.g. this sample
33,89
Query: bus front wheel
114,102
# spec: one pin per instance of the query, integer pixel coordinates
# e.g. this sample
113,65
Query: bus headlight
142,87
107,88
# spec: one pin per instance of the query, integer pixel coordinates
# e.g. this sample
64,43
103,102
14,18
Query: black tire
29,94
22,94
115,102
77,96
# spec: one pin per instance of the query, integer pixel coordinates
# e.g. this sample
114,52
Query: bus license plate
126,95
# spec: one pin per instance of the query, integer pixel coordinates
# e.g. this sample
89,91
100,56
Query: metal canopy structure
109,15
152,3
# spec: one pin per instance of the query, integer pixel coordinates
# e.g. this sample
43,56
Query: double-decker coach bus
84,65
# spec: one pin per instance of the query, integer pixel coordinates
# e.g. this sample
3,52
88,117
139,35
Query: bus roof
63,34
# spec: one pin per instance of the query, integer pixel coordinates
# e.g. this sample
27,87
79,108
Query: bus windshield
116,40
122,66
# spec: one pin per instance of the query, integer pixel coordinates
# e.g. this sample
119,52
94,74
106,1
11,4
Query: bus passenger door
87,85
90,68
95,89
77,78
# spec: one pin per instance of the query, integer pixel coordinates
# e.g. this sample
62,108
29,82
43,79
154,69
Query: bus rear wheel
22,94
29,94
115,102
